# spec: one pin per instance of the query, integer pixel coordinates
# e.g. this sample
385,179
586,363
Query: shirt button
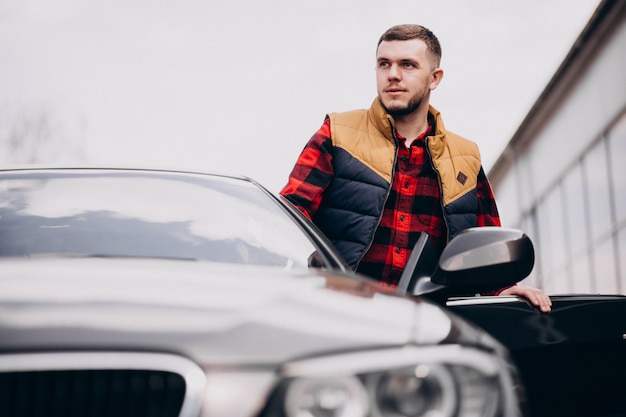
406,184
398,250
401,218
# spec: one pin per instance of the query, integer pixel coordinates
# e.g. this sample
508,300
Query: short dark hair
408,32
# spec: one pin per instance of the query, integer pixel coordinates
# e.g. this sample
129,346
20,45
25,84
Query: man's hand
536,296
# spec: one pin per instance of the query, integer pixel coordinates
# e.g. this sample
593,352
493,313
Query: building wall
562,179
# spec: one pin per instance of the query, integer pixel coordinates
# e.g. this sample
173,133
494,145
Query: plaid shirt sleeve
487,210
312,173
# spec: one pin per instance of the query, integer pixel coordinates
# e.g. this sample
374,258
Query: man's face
404,75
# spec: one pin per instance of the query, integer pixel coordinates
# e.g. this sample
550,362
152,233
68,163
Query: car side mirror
479,259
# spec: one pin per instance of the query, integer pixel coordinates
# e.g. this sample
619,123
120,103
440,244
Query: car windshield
146,214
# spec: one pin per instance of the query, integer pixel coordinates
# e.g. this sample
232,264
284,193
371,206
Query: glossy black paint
571,360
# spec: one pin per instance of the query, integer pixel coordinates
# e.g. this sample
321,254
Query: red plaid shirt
414,203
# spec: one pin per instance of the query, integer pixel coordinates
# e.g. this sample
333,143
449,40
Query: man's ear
437,75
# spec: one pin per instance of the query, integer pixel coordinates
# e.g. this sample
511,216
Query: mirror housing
485,259
479,259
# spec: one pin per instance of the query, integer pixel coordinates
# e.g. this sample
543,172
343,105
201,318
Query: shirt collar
430,130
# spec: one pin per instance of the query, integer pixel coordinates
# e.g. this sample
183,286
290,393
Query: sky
239,86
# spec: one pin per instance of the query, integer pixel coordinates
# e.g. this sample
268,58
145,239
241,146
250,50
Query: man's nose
394,72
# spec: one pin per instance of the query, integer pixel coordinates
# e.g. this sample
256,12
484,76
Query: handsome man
373,180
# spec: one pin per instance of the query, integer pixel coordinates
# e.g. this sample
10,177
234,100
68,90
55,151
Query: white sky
239,86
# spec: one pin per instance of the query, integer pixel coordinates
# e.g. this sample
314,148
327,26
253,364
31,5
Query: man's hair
409,32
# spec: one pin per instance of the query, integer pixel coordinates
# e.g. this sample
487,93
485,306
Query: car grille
99,385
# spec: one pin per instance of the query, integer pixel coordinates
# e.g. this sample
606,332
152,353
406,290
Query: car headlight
416,391
326,397
434,381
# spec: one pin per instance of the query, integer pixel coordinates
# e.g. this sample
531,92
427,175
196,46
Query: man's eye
408,65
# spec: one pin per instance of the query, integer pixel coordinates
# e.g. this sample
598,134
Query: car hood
210,312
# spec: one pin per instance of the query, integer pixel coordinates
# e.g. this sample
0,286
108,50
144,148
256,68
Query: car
150,292
572,361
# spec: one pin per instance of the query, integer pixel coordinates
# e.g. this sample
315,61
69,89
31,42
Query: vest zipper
393,172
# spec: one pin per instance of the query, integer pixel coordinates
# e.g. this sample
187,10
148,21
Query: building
562,177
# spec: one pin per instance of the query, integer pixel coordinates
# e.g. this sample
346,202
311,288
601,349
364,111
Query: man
373,180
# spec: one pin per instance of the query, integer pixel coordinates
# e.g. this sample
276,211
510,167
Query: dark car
572,360
155,293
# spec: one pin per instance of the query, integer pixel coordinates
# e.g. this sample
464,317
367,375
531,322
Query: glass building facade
562,178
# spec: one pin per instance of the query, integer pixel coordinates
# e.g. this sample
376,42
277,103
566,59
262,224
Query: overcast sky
239,86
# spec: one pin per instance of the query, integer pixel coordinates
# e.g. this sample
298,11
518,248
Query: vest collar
384,122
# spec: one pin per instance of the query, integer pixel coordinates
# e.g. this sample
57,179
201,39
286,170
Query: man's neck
412,125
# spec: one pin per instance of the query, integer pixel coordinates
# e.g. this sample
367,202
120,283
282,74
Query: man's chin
394,106
400,109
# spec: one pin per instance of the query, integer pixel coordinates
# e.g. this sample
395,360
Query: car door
572,360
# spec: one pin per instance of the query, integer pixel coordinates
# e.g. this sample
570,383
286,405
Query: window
581,275
558,282
528,226
557,229
508,203
598,197
604,268
525,176
621,243
617,148
575,211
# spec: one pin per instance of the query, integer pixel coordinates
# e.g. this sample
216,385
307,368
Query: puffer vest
364,155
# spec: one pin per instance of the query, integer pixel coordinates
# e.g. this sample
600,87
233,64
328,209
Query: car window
138,215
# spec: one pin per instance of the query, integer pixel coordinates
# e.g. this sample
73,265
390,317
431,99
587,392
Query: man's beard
414,103
411,106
